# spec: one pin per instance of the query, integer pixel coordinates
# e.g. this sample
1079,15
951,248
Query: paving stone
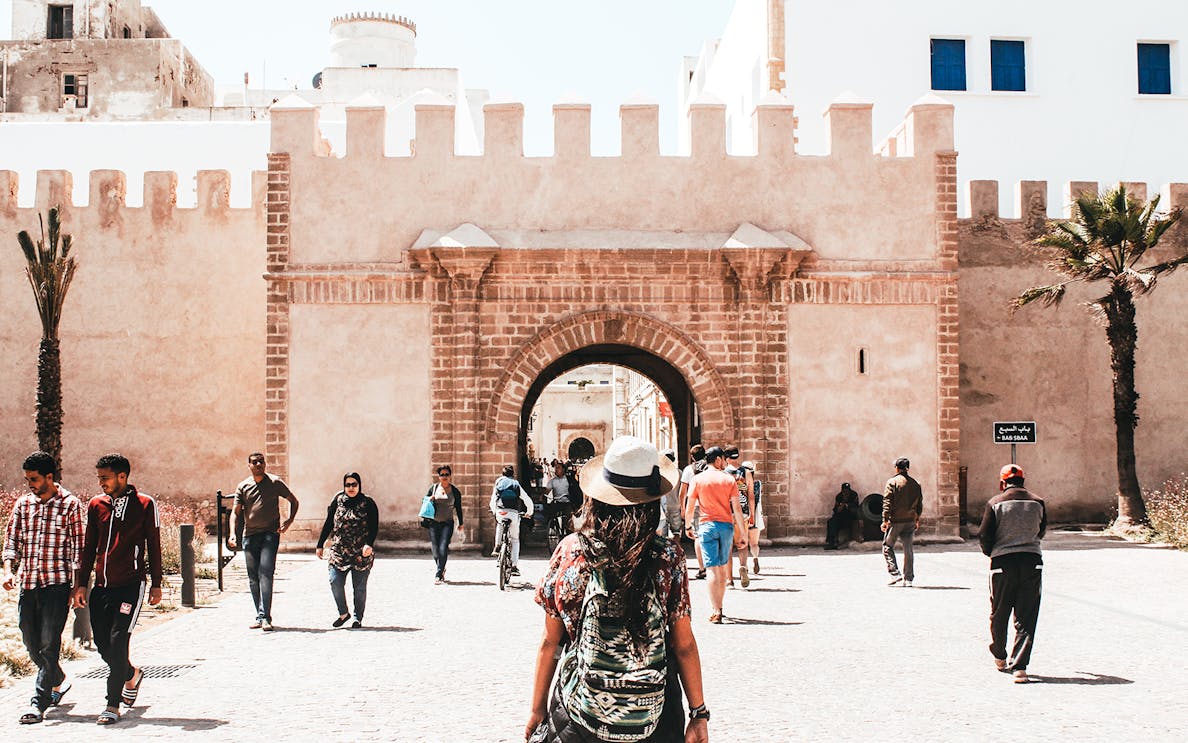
818,648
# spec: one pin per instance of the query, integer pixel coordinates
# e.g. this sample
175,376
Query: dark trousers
259,556
41,614
440,534
113,615
1016,581
835,524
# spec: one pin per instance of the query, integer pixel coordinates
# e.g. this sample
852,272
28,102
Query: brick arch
586,329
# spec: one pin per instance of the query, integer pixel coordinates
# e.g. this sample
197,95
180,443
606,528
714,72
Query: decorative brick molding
276,350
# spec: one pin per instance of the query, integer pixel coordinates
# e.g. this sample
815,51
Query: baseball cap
1010,472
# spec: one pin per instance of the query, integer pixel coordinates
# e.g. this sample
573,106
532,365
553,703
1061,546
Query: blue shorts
717,541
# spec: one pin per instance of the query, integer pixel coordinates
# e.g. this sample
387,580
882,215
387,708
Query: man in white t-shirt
696,464
561,492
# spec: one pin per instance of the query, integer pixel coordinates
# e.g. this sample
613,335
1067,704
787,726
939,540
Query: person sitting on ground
845,515
616,602
509,502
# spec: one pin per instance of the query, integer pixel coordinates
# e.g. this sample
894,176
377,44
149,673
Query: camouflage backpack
609,685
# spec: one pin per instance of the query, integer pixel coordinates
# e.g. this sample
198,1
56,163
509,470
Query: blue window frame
1008,67
1154,68
948,64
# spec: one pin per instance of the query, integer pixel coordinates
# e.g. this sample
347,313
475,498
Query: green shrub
1168,511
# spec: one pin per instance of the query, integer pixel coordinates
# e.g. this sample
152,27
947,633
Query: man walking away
44,538
258,528
696,466
123,534
902,504
1012,526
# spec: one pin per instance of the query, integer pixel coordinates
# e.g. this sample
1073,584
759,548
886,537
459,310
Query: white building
1061,90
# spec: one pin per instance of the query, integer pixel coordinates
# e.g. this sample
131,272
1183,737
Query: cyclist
509,501
561,491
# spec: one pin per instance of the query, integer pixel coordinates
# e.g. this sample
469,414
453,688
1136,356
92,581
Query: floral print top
563,587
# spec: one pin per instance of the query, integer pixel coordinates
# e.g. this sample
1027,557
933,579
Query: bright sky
533,51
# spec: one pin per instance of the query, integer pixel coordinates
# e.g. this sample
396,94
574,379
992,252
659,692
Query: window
76,86
1008,69
61,22
948,64
1154,68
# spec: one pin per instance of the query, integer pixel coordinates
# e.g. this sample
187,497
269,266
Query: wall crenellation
1031,198
372,16
929,129
108,191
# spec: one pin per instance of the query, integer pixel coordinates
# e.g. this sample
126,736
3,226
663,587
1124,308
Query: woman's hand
319,552
534,720
368,551
697,731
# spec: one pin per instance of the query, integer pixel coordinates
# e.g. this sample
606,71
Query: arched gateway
416,306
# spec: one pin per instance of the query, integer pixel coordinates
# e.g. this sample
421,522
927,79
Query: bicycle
503,552
558,526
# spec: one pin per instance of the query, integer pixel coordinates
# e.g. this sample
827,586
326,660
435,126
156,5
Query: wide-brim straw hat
631,472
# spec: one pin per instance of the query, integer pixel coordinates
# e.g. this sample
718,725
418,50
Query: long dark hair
618,541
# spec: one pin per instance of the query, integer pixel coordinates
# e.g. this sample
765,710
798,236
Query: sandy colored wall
161,336
1052,366
360,403
850,427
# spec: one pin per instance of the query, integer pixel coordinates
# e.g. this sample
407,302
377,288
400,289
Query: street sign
1014,432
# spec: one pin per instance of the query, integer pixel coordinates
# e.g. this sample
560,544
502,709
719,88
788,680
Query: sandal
128,696
716,617
107,717
57,694
701,574
31,716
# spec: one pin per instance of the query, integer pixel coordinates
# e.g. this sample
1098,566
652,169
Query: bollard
187,565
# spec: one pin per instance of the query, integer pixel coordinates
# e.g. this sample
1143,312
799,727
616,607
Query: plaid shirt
45,539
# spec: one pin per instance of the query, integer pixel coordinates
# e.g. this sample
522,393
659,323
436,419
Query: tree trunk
49,399
1123,337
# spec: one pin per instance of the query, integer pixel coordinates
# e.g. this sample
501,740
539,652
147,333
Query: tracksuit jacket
123,541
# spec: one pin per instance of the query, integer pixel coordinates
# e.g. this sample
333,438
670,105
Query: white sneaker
895,580
907,584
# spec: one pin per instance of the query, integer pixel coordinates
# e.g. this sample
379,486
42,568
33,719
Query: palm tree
1106,240
50,272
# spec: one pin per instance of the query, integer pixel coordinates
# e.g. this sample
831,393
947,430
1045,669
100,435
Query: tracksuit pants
114,612
1016,581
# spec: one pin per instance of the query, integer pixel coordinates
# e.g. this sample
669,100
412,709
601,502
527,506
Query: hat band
651,482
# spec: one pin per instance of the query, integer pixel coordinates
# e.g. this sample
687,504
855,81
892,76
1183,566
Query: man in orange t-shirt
716,494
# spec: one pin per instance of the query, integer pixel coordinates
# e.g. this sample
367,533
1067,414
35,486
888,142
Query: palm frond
1049,296
27,246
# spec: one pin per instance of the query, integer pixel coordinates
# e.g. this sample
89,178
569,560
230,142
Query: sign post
1014,433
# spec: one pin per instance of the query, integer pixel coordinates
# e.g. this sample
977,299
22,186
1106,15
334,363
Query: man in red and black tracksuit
122,545
1012,526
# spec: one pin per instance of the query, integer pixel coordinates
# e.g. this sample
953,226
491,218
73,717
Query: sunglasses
255,461
351,485
443,474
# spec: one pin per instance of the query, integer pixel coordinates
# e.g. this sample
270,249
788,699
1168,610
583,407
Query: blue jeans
259,552
440,534
41,615
358,586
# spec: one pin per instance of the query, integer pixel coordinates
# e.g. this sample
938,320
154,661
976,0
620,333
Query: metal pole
219,534
1013,459
187,565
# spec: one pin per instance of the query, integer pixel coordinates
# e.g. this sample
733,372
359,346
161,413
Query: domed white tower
372,40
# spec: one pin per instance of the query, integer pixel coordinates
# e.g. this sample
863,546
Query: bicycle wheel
554,536
504,565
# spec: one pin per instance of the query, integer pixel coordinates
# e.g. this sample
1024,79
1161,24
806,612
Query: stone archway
613,328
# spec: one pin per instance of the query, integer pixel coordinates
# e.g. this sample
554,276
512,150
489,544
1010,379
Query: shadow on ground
1086,679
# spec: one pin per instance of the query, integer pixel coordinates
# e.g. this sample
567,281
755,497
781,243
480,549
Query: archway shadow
766,622
1086,679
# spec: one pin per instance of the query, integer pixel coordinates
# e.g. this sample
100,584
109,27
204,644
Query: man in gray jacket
1012,527
903,501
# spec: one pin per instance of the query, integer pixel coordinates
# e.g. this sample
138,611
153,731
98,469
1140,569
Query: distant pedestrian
258,528
721,519
352,524
670,506
44,540
509,502
754,513
562,495
697,464
447,507
616,601
1013,524
903,502
122,545
844,516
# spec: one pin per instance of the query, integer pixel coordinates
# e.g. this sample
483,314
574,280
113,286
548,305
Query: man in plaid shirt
44,539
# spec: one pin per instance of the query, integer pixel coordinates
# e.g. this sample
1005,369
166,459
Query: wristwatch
699,713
